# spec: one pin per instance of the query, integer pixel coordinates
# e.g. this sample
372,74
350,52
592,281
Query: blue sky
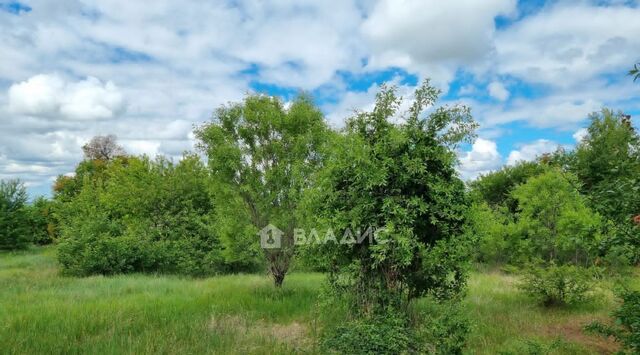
531,71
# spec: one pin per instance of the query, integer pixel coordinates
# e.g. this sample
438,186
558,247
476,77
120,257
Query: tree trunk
278,278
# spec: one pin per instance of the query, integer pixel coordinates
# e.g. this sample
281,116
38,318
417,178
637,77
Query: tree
495,188
607,162
14,218
42,220
103,148
554,222
264,154
400,179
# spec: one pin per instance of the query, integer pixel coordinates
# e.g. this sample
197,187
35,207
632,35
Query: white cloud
175,62
432,36
580,135
481,159
565,112
529,152
140,147
498,91
570,42
50,96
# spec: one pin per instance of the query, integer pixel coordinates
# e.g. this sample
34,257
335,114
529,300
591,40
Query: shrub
557,285
388,334
626,329
444,327
14,218
42,221
141,216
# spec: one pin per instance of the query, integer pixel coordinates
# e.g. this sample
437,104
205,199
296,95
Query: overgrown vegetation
395,189
141,215
554,286
626,327
380,207
14,216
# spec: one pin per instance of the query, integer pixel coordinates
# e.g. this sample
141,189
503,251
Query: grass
43,312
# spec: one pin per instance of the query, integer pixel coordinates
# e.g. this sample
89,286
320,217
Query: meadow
44,312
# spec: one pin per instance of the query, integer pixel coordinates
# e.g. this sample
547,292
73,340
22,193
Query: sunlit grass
43,312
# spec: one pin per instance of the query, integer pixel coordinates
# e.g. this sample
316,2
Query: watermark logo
270,237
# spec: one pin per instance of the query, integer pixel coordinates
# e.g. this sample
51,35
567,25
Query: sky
531,71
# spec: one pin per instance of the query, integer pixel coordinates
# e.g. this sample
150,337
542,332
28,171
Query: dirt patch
294,334
573,331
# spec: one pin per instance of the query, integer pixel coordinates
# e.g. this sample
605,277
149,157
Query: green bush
42,221
388,334
626,329
557,285
141,216
442,327
14,217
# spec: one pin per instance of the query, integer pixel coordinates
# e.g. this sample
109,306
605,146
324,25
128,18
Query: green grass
43,312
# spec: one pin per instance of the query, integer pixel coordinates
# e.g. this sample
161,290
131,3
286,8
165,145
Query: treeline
261,163
575,207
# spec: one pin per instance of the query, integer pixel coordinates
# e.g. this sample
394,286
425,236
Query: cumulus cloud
569,42
498,91
51,96
481,159
434,36
175,62
530,151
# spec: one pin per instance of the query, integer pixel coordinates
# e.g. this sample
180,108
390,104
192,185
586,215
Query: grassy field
43,312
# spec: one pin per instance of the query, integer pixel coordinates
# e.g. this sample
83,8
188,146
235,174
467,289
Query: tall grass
43,312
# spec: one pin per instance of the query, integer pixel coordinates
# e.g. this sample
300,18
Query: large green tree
14,218
395,172
607,162
262,154
554,222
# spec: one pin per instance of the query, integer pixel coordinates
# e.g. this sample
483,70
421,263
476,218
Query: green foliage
607,162
261,156
14,217
382,334
554,222
65,188
141,216
443,329
491,229
558,285
399,180
626,329
42,220
495,188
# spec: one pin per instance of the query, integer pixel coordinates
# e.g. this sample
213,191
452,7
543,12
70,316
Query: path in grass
43,312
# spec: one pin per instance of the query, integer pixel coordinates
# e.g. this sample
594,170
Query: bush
42,221
141,216
557,285
443,328
14,218
627,323
388,334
